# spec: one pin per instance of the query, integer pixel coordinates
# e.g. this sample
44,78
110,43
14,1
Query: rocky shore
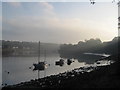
83,77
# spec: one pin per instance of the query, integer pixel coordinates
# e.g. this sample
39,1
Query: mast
45,55
44,62
39,52
38,58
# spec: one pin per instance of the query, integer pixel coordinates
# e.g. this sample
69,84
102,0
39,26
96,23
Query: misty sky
59,22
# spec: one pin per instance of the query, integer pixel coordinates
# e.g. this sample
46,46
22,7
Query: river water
16,69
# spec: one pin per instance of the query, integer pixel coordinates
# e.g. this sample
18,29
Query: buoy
5,84
30,67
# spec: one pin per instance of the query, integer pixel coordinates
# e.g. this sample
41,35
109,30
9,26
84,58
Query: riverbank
84,77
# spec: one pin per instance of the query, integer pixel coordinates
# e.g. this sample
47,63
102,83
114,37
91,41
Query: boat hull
39,66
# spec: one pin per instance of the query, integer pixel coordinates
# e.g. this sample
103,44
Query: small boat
60,62
97,62
69,61
40,65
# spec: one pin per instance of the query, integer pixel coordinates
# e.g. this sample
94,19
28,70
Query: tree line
19,48
89,46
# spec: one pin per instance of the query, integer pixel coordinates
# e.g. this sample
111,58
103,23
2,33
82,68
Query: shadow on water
89,59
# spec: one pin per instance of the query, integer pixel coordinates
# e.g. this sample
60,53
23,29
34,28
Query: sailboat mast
45,55
44,62
39,52
38,58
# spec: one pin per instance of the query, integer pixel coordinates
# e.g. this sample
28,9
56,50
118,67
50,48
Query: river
16,69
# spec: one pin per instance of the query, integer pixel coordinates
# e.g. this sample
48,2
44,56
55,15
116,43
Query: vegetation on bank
89,46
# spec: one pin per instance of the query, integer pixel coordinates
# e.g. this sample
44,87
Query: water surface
16,69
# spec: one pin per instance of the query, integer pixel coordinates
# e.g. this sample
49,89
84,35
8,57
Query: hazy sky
59,22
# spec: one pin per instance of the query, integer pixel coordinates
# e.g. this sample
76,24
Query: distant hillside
17,48
89,46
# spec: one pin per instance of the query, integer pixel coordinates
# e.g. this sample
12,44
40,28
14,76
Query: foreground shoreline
100,77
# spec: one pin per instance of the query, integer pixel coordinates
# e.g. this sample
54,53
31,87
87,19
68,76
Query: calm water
18,68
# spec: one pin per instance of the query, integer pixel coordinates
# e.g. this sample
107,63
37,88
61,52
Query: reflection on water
90,58
105,55
16,69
